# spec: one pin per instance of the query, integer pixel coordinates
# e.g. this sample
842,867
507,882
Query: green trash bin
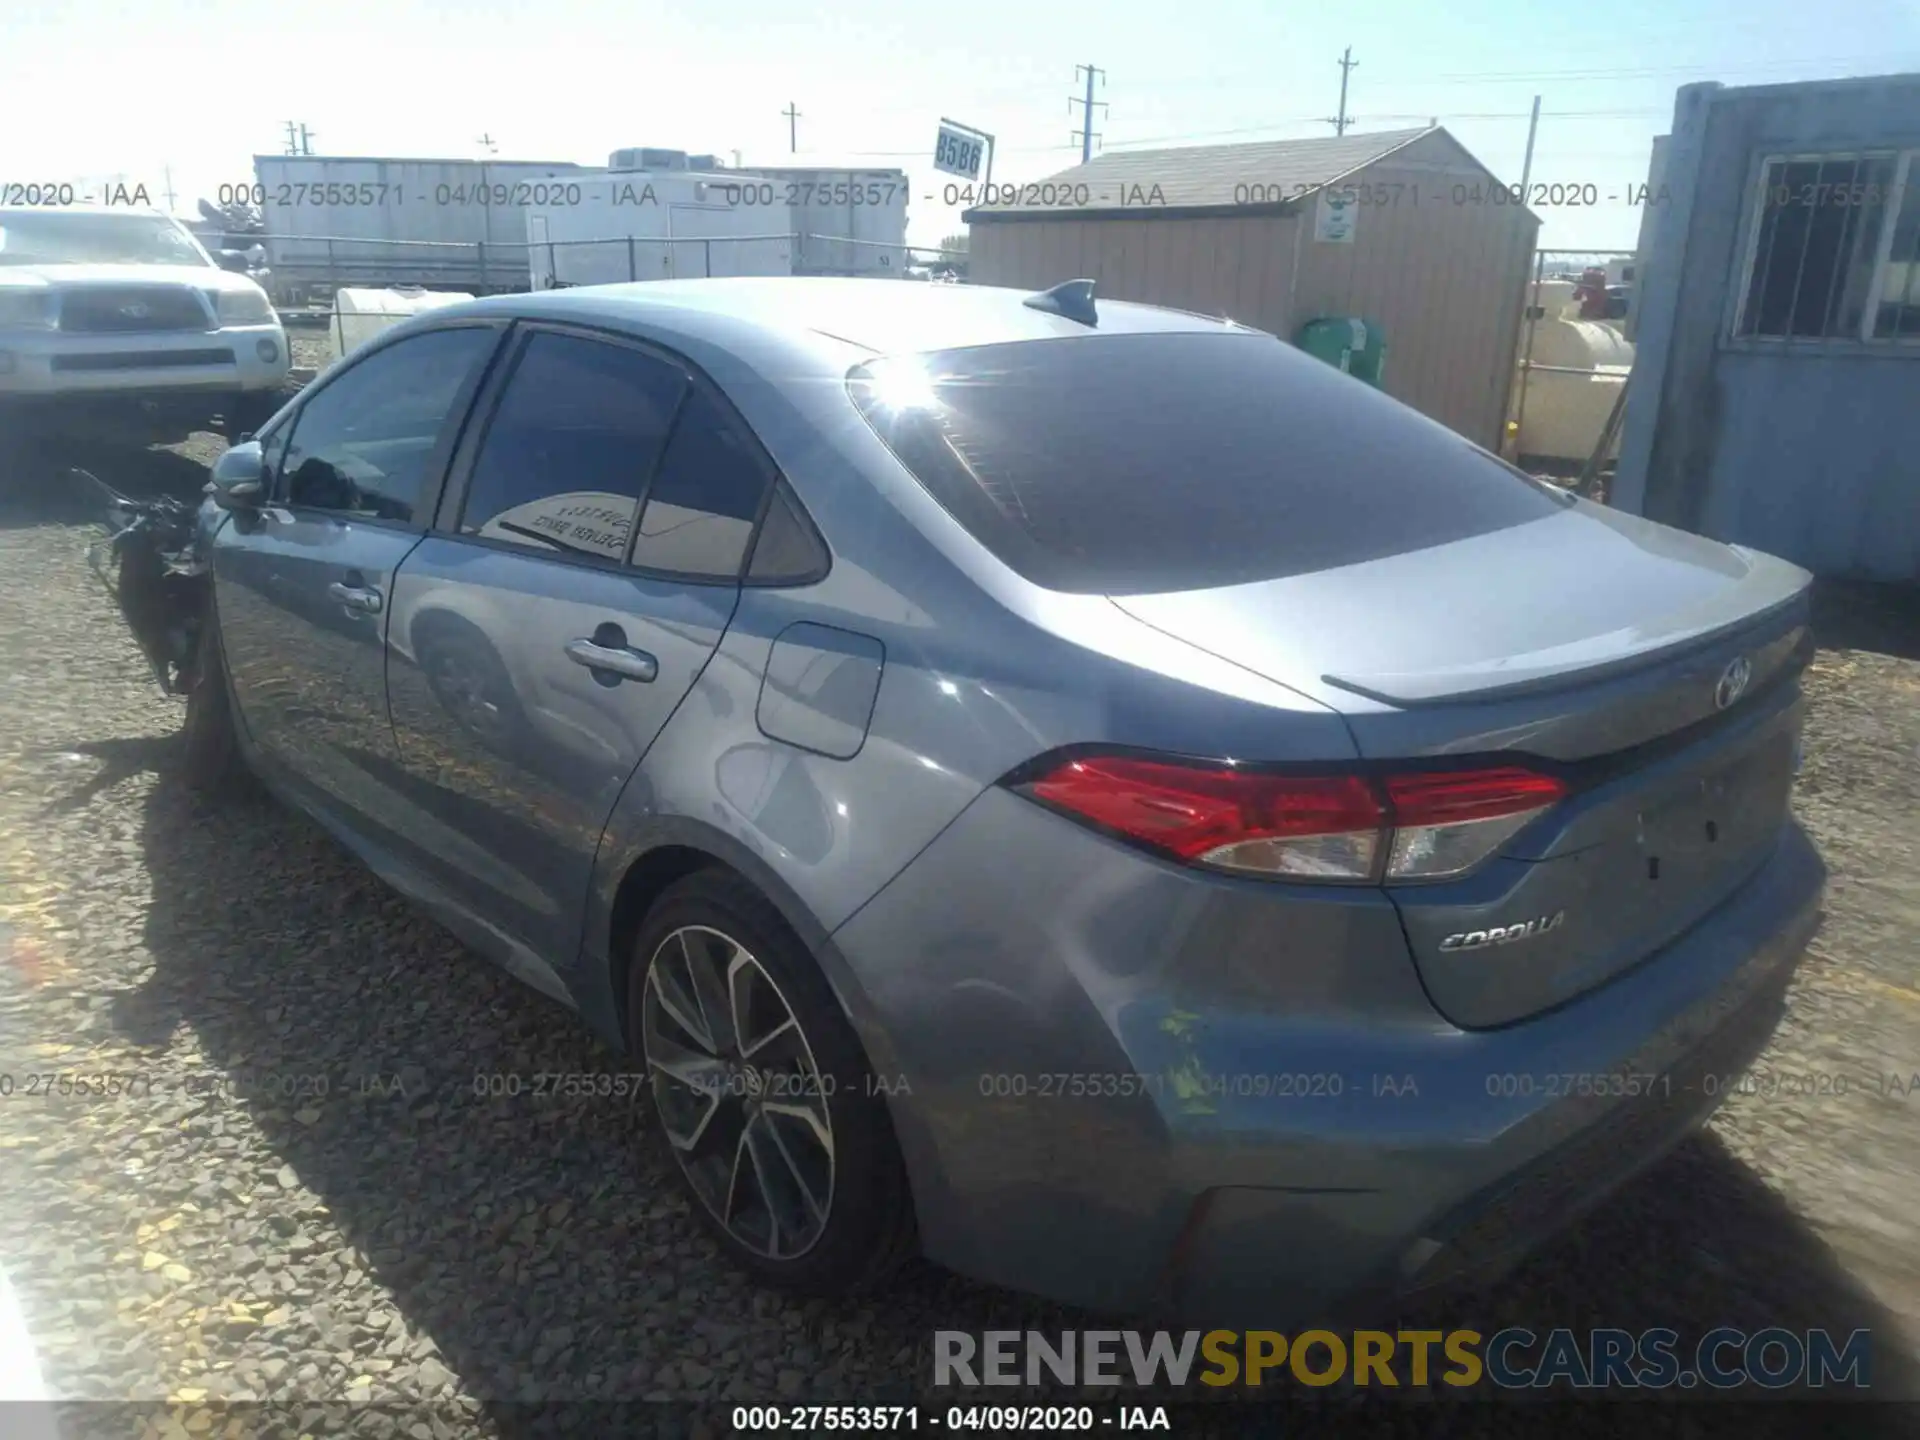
1347,343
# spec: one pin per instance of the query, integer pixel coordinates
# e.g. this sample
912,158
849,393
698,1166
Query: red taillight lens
1447,797
1319,825
1305,827
1447,823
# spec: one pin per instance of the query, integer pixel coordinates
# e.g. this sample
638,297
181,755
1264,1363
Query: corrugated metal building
1403,228
1775,399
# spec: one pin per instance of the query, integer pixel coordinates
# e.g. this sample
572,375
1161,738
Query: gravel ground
303,1199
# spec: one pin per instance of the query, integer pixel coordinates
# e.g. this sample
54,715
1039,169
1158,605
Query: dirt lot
307,1201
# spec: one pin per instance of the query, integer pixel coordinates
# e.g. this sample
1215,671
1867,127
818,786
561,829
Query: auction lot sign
958,151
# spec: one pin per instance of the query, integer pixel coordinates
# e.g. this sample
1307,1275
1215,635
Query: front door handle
356,597
620,660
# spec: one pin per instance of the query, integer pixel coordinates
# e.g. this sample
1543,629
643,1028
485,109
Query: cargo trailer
850,222
655,225
443,224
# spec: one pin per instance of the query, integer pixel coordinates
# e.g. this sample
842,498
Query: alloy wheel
740,1097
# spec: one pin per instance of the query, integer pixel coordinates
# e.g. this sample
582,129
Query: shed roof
1202,177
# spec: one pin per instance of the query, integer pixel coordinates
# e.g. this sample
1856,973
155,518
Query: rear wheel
210,760
774,1119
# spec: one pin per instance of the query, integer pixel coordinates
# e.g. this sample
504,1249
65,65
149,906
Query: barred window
1834,250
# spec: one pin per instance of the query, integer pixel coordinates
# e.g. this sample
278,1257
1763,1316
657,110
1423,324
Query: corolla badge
1733,682
1503,934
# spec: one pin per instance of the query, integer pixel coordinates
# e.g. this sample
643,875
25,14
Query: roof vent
1071,299
641,157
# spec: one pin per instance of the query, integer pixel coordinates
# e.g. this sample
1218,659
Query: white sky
90,89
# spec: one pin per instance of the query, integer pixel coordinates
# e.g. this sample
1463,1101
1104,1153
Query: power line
1285,121
1086,134
1762,67
1423,116
1634,72
1643,113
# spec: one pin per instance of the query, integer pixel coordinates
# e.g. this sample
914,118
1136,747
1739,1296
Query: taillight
1448,822
1409,826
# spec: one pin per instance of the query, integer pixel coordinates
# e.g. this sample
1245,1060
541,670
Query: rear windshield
1130,464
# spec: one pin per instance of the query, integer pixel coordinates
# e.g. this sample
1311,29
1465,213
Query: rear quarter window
1141,463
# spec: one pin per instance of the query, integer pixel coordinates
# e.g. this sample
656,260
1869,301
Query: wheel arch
668,849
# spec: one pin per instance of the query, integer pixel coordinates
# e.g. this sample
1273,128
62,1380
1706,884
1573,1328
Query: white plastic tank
359,314
1579,344
1578,369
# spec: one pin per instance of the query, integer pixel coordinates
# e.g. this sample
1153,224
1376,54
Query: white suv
118,321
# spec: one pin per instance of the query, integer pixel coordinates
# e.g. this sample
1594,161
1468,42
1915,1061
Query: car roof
883,316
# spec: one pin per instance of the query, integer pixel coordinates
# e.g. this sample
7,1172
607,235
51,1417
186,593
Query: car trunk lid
1654,671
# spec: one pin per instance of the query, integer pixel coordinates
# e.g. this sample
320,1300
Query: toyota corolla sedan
1082,791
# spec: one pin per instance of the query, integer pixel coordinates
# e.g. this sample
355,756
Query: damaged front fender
154,559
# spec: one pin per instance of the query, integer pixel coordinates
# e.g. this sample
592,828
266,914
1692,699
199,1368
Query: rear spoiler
1777,628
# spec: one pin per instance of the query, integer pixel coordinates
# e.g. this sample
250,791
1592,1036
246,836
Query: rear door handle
356,597
621,660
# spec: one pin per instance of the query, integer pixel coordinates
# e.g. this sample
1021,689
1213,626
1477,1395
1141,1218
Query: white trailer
655,225
850,222
358,220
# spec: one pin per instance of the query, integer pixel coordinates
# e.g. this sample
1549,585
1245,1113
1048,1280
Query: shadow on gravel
35,490
542,1247
119,760
1882,618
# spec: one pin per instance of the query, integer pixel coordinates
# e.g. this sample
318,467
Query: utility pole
793,133
1526,165
1533,310
1088,134
1347,63
167,171
487,142
299,139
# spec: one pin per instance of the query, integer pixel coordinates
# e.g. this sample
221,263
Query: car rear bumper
1123,1084
37,367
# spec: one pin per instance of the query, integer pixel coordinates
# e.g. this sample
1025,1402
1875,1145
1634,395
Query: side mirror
239,477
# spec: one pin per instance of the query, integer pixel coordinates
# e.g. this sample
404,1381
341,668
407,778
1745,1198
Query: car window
703,503
1129,464
578,430
363,443
789,550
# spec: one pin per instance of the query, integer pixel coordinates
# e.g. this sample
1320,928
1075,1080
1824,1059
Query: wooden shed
1402,228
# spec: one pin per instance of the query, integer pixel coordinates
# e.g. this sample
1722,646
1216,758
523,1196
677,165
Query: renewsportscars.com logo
1513,1358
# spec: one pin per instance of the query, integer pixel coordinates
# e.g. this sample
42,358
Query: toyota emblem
1733,682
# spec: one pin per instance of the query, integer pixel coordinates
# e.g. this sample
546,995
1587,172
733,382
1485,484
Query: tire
864,1230
210,750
